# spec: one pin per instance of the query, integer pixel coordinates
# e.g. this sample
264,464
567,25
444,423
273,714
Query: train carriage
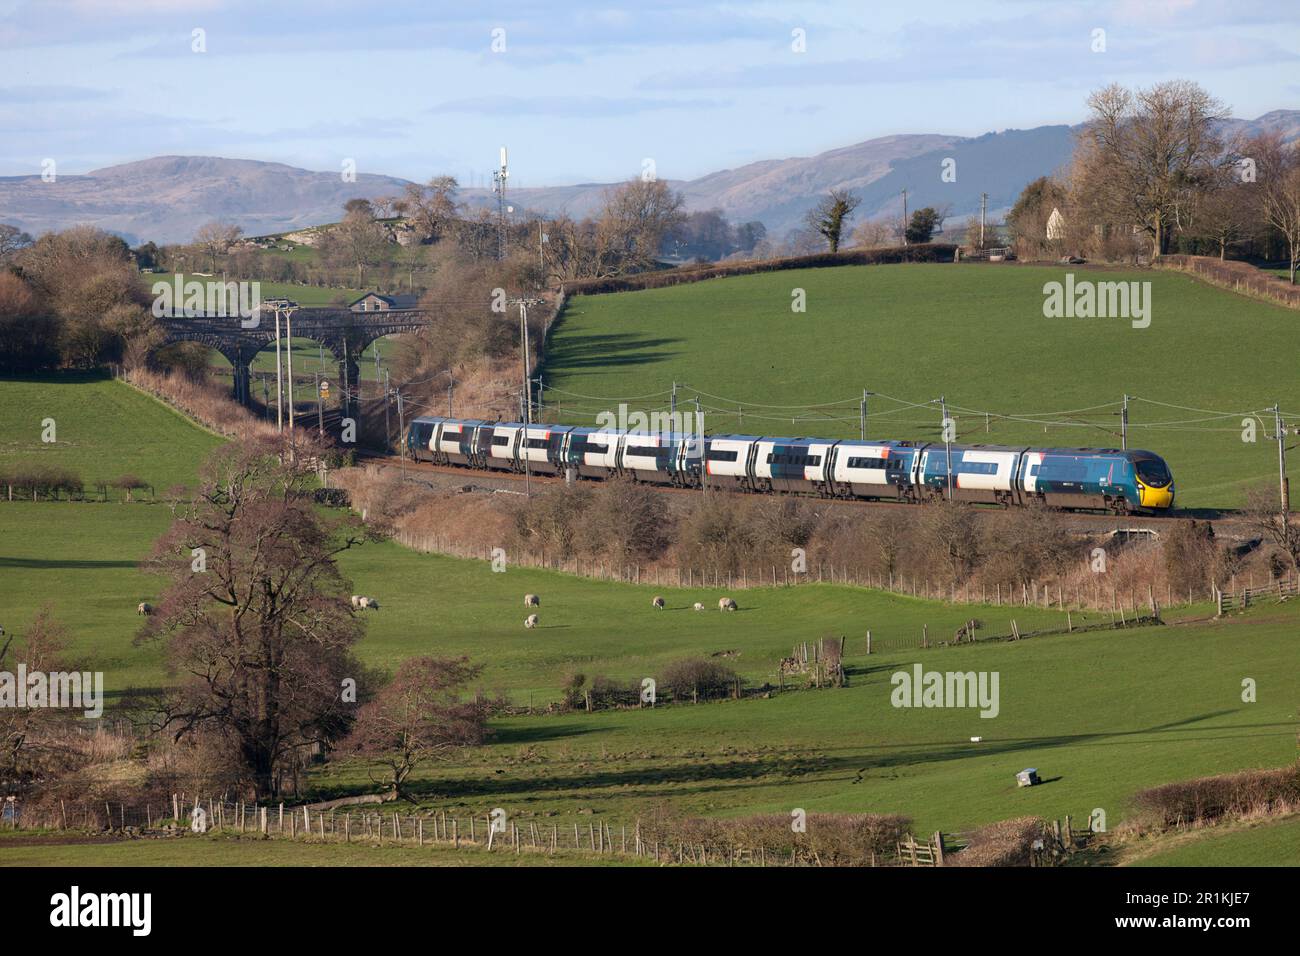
727,461
871,469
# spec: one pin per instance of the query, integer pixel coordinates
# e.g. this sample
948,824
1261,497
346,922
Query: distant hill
168,197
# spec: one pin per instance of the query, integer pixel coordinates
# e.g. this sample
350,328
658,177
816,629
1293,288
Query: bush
697,678
1005,843
858,839
32,479
1208,798
851,257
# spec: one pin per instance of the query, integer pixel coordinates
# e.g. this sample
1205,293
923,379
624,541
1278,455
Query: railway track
552,481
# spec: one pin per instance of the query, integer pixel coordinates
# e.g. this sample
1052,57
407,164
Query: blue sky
586,91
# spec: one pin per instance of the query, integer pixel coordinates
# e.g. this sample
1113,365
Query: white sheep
532,600
726,604
144,607
699,606
531,621
658,602
356,600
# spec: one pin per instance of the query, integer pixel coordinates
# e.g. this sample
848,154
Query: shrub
658,280
829,839
697,678
1005,843
1208,798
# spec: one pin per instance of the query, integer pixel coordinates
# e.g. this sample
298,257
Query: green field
1100,714
102,429
973,333
1258,843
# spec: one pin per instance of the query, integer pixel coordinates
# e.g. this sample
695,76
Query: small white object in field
726,604
530,621
144,607
976,740
532,600
699,606
658,602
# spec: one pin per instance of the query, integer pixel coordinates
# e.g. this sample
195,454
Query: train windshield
1153,472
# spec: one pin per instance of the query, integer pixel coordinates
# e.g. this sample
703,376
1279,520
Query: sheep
726,604
372,604
356,600
144,607
365,603
532,600
699,606
658,602
531,621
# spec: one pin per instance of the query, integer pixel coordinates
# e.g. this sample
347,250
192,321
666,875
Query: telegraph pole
1283,485
288,334
401,428
904,217
862,415
451,384
984,205
388,400
523,304
279,380
947,443
1123,426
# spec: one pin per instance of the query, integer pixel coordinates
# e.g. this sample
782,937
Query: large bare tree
1144,154
256,618
1277,167
214,240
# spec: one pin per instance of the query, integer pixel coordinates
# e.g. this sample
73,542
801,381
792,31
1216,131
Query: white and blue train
1085,478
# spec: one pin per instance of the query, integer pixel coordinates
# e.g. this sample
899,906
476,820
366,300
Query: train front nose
1158,499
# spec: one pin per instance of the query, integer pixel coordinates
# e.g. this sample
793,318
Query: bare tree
420,716
255,615
1143,155
1265,516
214,240
873,234
22,729
1278,180
830,215
636,218
431,208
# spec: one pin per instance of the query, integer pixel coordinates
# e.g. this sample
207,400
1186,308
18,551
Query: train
1127,481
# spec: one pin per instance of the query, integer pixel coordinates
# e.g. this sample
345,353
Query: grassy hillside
103,429
974,333
1258,843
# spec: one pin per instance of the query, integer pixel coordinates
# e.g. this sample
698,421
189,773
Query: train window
642,451
451,436
890,463
719,454
592,448
537,443
806,460
1153,471
501,439
977,468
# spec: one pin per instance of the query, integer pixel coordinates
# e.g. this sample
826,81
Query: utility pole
1283,485
672,401
904,217
947,443
320,410
451,384
862,415
523,304
388,400
704,453
288,334
401,428
279,380
1123,426
984,205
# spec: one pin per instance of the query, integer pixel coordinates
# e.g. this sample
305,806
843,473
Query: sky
588,91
